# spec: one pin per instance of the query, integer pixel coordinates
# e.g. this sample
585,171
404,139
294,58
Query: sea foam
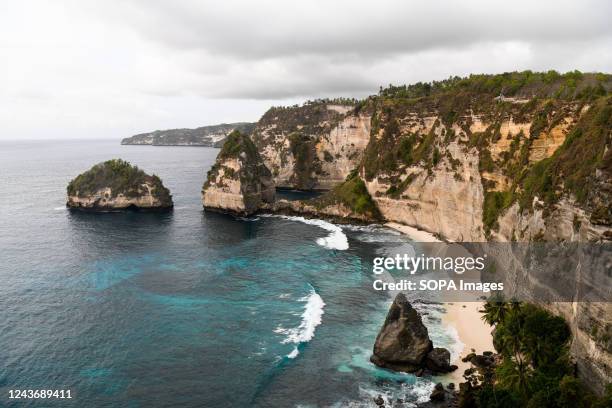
311,318
336,238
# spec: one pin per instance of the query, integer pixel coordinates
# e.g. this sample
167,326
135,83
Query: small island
116,185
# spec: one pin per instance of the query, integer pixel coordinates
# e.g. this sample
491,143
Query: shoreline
463,318
472,331
413,233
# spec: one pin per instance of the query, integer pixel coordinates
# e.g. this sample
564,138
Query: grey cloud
94,67
264,29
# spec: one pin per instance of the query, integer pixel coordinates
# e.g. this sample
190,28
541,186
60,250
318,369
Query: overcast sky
109,69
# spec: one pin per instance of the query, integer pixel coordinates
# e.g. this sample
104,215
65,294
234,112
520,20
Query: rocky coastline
453,159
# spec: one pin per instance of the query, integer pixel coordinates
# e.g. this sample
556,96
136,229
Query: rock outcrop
239,182
313,146
117,185
347,202
403,343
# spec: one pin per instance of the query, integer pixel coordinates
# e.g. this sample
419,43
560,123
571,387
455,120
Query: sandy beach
463,317
473,332
413,233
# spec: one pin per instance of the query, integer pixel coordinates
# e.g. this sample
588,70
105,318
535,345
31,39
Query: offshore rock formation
239,182
208,136
116,185
403,343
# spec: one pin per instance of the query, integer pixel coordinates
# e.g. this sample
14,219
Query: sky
102,69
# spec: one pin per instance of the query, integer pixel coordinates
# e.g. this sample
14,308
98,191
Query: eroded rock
116,185
239,182
403,341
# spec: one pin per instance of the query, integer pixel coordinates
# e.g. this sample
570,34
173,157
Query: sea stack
403,343
239,182
116,185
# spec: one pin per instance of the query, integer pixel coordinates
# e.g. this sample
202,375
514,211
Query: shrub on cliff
354,195
121,177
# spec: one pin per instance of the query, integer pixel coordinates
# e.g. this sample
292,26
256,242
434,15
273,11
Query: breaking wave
336,238
311,318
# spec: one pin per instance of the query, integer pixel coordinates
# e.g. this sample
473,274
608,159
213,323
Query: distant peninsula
207,136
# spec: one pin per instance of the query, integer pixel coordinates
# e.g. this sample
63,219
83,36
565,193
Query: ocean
188,308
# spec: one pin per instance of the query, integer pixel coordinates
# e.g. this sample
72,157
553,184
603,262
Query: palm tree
495,310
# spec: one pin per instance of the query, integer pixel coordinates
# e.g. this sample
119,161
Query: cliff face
209,136
117,185
104,200
471,167
457,159
536,167
462,160
239,182
314,146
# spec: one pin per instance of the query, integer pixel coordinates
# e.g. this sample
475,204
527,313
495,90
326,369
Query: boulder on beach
403,343
438,361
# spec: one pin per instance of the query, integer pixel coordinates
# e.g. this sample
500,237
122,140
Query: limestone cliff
313,146
519,156
238,182
456,163
116,185
471,166
347,202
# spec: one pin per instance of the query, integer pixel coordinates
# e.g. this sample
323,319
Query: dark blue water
188,309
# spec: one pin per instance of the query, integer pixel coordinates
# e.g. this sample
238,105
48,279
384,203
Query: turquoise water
183,309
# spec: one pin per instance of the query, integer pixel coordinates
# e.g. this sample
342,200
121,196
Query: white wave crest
311,318
336,238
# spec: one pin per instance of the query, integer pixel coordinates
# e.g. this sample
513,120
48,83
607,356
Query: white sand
473,332
415,234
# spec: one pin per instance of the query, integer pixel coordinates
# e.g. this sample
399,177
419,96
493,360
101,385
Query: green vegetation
235,144
306,161
572,167
238,146
495,202
353,194
121,177
570,170
551,84
201,136
310,118
535,368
